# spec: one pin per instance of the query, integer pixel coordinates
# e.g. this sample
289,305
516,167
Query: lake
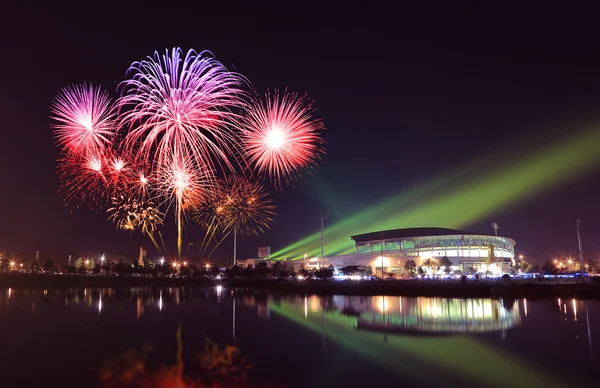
79,337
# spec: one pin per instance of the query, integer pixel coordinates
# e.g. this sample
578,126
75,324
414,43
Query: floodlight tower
577,223
495,227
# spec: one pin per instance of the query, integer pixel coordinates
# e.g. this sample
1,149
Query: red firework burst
281,136
92,179
84,119
83,179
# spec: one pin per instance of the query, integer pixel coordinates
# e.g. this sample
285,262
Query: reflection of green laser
440,361
447,203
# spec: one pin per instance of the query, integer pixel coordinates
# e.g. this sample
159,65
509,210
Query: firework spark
281,136
179,106
123,212
84,119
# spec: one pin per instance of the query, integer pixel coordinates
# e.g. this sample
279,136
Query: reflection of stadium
390,249
412,316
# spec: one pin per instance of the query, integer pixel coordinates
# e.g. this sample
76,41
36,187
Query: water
51,337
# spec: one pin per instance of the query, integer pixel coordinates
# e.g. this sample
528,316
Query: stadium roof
411,232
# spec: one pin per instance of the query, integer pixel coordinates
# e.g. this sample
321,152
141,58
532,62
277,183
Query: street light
102,259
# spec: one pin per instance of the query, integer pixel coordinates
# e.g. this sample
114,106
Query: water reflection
378,313
382,329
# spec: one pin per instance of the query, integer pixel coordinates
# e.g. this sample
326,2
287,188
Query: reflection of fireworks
281,136
179,105
84,119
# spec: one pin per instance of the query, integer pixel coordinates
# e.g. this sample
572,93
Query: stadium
387,251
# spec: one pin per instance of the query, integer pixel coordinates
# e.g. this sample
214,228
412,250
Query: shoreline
388,287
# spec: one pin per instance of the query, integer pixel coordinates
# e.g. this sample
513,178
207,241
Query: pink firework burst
84,119
178,103
281,136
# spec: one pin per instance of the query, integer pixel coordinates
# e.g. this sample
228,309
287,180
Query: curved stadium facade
466,251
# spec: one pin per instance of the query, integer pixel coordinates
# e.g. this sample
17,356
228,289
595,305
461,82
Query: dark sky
406,92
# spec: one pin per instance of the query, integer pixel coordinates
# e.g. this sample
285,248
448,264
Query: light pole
577,222
381,253
322,217
495,227
235,245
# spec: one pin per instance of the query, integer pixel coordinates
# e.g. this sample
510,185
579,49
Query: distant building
142,257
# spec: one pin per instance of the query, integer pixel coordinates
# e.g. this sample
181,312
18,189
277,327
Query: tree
534,269
592,266
446,263
431,264
350,270
324,274
277,269
290,269
49,266
262,269
410,266
549,267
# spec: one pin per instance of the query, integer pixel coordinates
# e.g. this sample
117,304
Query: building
390,249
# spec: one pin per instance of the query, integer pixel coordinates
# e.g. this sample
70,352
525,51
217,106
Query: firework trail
281,136
182,183
84,119
179,106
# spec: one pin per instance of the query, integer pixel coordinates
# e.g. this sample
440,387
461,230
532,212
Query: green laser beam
453,202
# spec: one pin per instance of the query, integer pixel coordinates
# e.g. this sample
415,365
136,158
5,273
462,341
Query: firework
181,182
129,214
83,179
92,178
236,205
179,106
281,136
84,119
123,212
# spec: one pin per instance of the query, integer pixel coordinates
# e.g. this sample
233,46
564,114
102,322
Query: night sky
407,95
